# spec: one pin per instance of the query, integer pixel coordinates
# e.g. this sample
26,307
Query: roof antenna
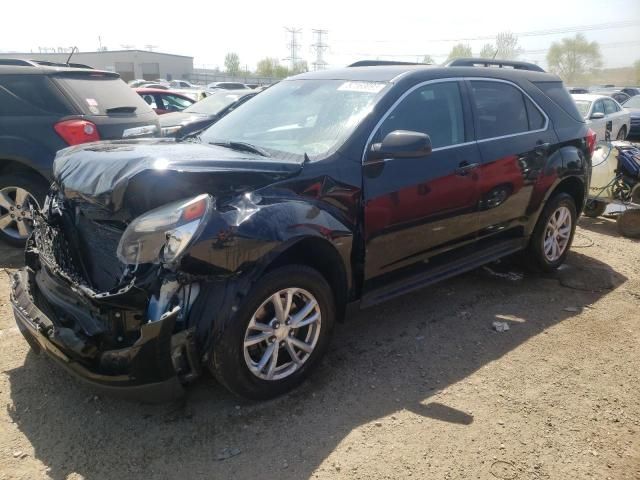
73,50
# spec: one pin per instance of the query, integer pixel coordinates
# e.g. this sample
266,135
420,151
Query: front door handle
465,167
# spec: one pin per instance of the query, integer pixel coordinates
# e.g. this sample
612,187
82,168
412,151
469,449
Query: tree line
571,58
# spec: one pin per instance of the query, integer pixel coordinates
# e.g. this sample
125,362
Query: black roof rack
20,62
485,62
375,63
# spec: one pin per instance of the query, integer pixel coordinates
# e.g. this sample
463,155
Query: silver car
603,114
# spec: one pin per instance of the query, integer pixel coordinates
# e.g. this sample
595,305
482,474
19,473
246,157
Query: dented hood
146,173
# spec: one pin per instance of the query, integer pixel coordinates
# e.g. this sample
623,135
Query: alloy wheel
16,219
557,233
282,334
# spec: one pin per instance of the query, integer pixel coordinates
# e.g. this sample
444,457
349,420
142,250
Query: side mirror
597,116
401,144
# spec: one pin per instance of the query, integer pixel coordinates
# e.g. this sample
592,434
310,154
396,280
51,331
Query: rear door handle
465,167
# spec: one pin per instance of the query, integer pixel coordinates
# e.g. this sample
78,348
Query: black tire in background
227,360
35,185
534,254
628,223
594,208
622,133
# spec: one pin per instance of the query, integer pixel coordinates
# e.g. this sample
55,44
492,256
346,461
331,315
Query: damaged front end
137,333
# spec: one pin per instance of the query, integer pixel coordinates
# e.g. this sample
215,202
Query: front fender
249,233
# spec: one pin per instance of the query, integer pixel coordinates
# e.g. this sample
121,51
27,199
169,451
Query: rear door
515,138
416,208
104,99
616,116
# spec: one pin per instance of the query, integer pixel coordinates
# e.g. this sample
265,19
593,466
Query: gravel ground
421,387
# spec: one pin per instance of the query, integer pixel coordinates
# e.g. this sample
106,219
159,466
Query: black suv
238,252
44,108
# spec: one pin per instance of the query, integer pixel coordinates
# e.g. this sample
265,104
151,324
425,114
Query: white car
604,114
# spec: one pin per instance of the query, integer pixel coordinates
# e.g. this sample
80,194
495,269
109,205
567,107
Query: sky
400,30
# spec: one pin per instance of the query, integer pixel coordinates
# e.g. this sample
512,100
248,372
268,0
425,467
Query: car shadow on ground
603,225
385,359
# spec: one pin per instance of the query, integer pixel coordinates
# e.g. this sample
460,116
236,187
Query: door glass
500,109
598,107
434,109
609,107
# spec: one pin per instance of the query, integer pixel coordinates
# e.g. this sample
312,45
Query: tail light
591,140
75,132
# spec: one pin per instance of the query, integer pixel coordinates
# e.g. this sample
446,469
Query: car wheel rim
557,233
282,334
16,219
621,135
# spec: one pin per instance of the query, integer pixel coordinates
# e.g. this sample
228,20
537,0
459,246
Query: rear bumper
150,375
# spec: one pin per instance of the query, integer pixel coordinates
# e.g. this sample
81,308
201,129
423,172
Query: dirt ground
421,387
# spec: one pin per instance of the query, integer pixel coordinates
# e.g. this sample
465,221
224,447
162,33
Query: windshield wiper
121,109
242,146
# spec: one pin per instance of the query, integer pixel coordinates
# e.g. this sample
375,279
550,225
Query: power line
320,47
293,46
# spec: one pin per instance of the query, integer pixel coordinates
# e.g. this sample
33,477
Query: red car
164,101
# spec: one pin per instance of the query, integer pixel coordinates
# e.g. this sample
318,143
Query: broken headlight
164,233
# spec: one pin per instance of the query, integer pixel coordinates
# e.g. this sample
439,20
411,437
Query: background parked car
633,107
227,85
46,108
165,101
204,113
603,114
631,91
181,84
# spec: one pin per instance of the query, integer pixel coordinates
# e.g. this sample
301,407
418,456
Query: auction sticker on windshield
365,87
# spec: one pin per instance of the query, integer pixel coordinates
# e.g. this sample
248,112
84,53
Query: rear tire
622,133
17,191
552,236
594,208
237,356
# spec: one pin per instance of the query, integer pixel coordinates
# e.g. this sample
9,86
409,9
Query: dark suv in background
44,108
238,250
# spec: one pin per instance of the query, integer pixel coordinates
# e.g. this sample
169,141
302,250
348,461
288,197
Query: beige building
130,64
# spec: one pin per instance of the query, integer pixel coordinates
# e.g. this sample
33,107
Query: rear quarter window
557,93
97,93
32,95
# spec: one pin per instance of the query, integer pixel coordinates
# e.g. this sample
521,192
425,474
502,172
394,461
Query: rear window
556,92
31,95
99,94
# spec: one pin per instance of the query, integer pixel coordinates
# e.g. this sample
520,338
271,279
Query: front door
417,207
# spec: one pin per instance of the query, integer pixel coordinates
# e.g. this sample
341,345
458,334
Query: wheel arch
10,166
575,187
321,255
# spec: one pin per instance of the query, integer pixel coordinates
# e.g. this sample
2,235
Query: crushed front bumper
146,370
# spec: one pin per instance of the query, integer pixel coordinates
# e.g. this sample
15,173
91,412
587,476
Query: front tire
552,236
280,333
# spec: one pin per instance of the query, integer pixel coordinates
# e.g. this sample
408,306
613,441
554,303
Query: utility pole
320,47
293,46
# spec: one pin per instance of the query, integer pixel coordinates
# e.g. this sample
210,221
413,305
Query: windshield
583,107
298,117
633,102
214,103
